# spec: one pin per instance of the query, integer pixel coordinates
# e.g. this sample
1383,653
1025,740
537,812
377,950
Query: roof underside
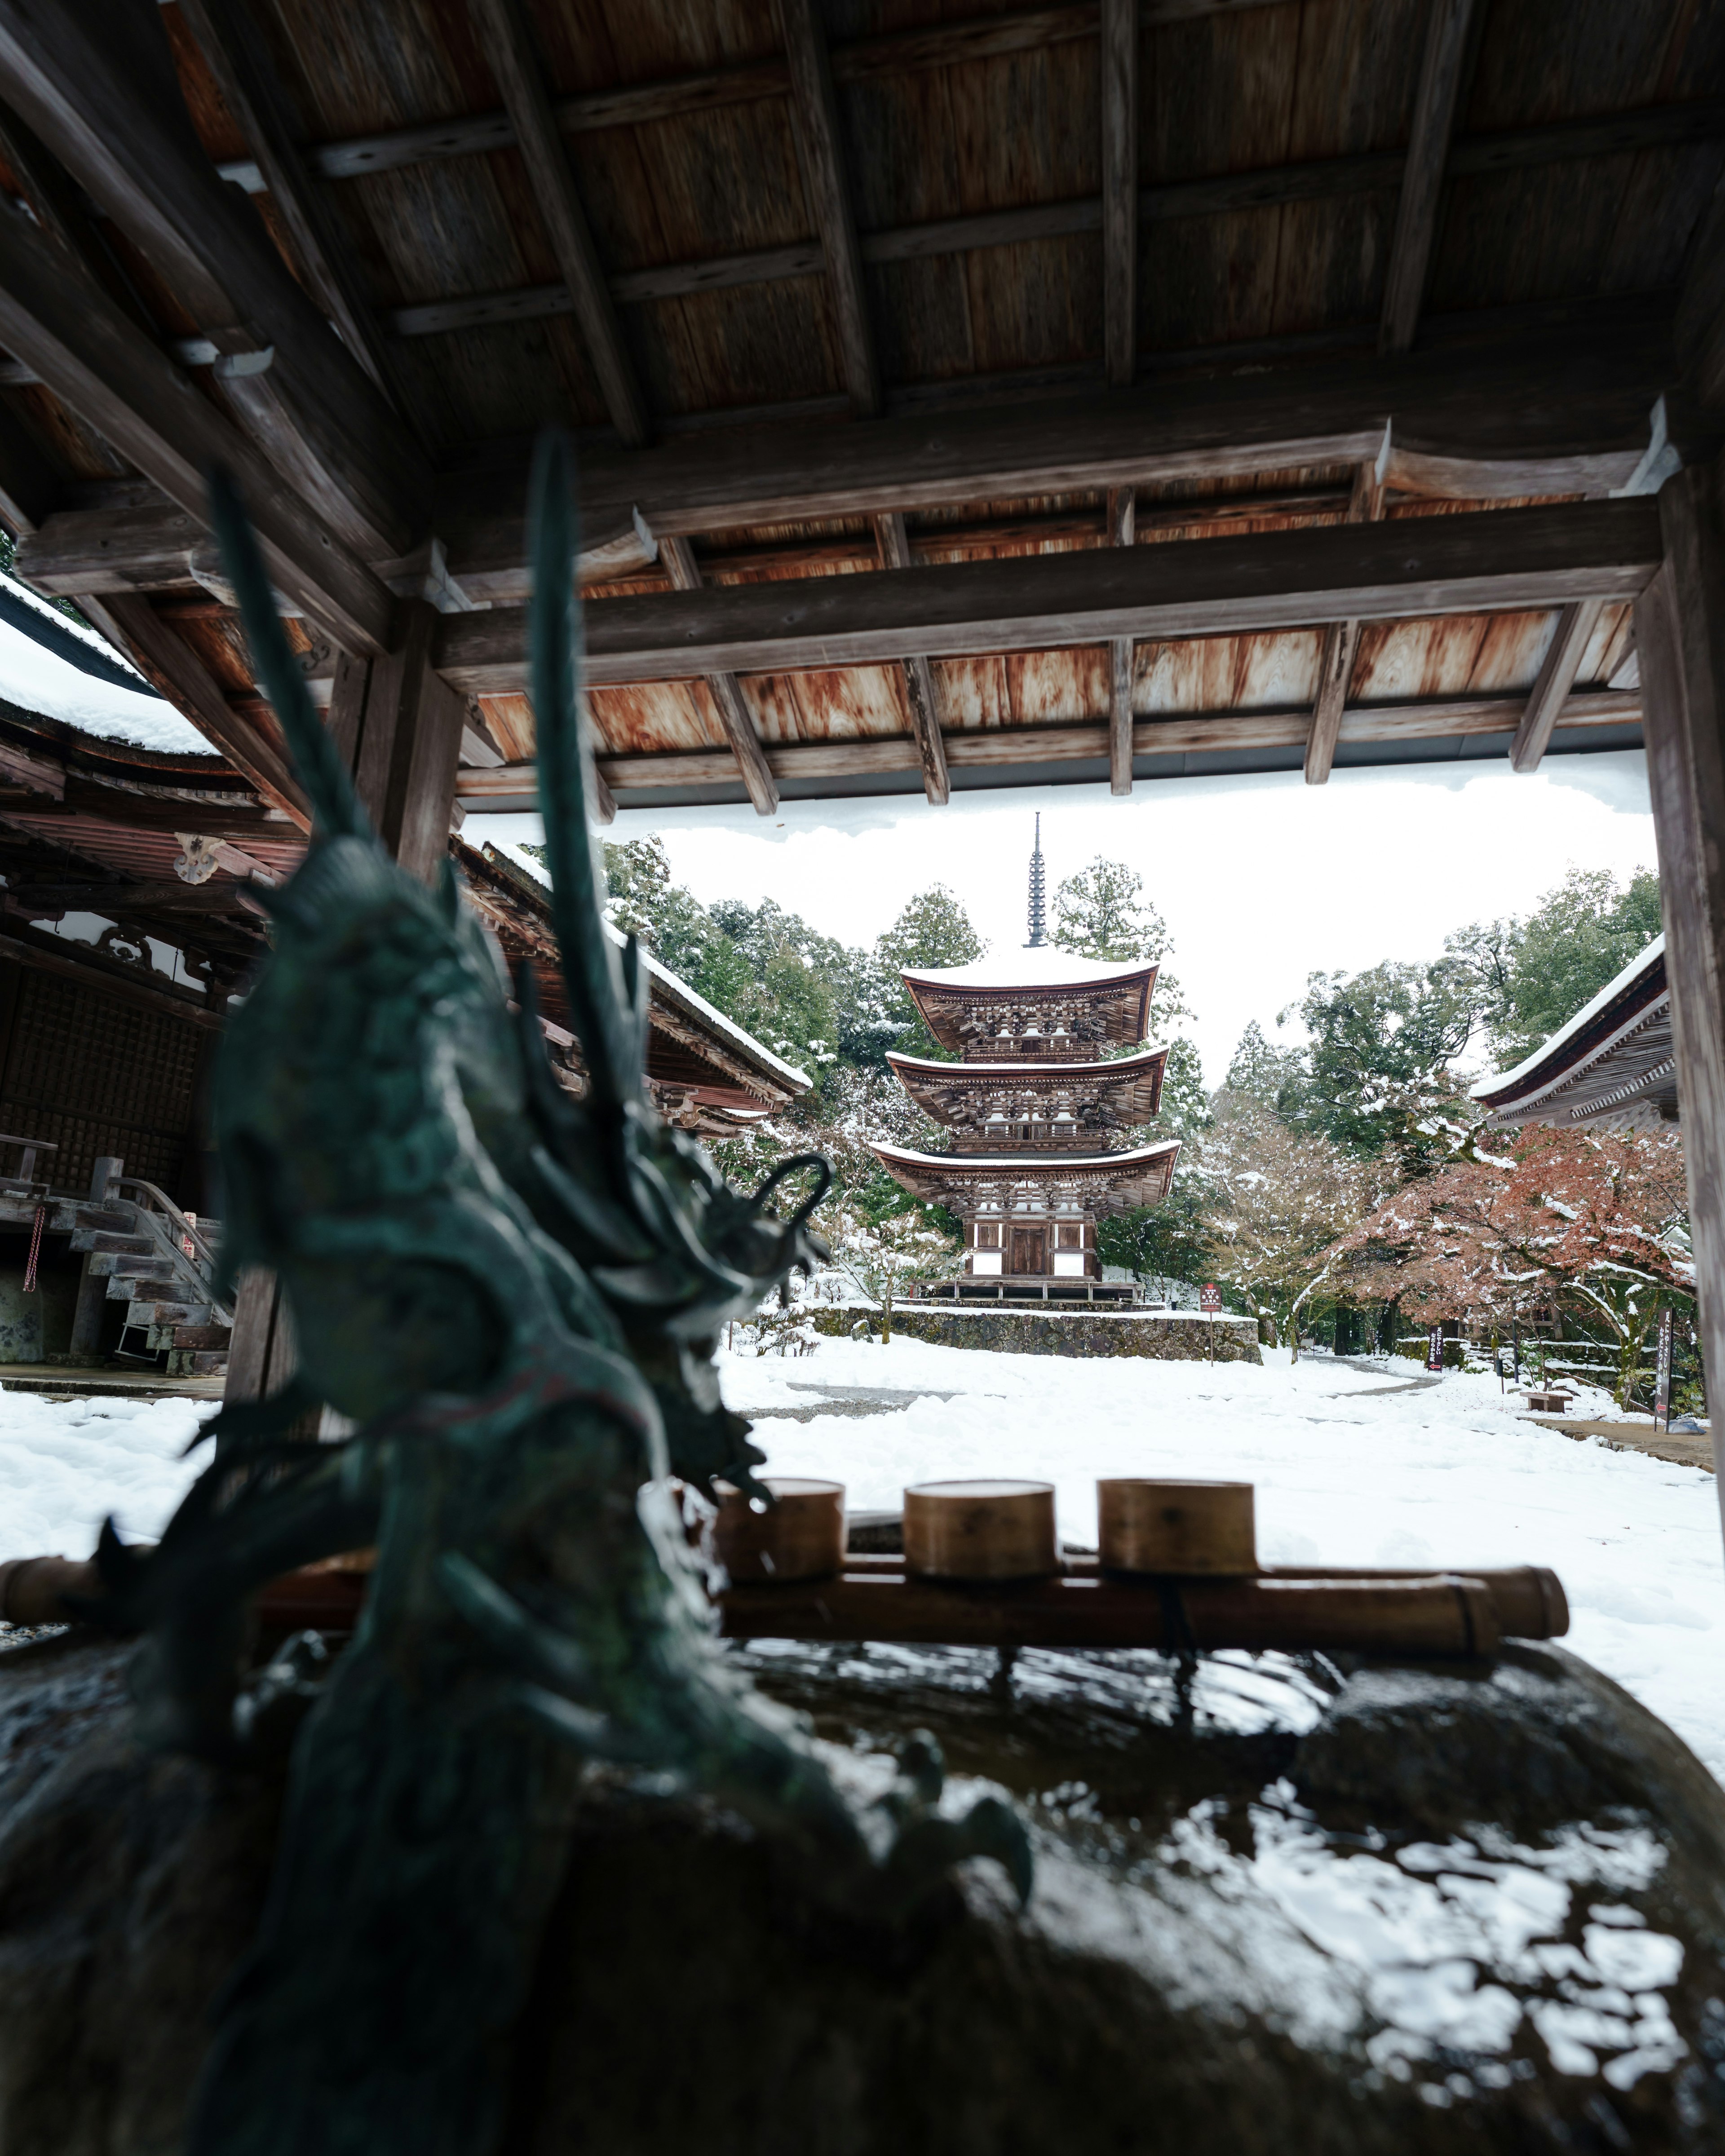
855,286
1107,1183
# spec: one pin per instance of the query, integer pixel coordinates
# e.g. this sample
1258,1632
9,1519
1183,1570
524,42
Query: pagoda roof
1037,966
1139,1176
1613,1065
1141,1073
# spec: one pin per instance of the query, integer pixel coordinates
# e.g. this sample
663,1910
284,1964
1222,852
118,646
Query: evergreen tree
1101,913
931,932
1529,978
1260,1070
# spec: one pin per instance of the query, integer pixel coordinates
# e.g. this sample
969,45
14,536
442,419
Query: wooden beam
251,87
1576,623
1122,512
1001,748
893,546
1680,635
103,366
1487,561
1335,662
508,43
175,670
1530,415
678,557
1120,187
398,727
1416,217
95,80
815,108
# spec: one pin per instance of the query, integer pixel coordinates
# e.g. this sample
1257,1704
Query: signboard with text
1662,1375
1435,1347
1210,1300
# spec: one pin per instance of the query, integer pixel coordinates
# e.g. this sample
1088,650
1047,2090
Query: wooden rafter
95,80
1490,560
1576,623
893,543
1120,187
815,106
1034,749
109,373
678,557
251,88
1220,194
1446,49
510,47
1335,663
167,660
1122,511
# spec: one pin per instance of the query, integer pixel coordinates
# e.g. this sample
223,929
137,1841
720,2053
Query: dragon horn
606,1015
313,754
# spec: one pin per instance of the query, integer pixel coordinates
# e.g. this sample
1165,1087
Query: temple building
1035,1104
1612,1067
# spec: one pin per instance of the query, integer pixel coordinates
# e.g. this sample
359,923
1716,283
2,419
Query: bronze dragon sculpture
515,1296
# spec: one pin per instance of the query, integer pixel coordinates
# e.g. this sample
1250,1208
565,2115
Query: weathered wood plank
1576,624
999,748
1447,48
1680,636
678,557
108,371
1120,187
1530,416
1485,561
520,76
1216,195
816,114
893,545
1335,666
1122,531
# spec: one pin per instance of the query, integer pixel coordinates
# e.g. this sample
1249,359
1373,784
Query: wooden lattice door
1027,1251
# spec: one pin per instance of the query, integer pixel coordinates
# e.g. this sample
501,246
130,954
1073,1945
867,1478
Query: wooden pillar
92,1304
1680,636
398,725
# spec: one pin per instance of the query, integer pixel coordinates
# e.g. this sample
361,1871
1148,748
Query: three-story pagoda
1036,1106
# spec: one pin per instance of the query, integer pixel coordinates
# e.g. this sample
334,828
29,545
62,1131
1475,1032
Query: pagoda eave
1109,1182
1130,1087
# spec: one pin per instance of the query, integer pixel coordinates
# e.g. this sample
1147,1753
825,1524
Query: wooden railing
25,1179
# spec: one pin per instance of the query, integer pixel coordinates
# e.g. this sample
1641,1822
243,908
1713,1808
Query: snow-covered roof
1040,967
1118,1067
1017,1163
1550,1049
59,669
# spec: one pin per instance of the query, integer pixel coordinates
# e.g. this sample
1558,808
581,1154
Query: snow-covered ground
1348,1472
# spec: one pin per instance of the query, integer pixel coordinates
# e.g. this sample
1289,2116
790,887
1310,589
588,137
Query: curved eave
1128,993
1138,1076
1621,1007
927,1173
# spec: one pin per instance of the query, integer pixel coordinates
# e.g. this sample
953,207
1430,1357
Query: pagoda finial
1039,894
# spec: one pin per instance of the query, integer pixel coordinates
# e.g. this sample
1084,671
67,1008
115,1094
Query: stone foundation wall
1092,1332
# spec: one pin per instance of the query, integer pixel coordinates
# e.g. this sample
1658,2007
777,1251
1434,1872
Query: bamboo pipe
1439,1615
35,1590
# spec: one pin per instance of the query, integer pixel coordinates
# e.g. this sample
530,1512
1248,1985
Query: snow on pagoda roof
1550,1050
1031,966
1122,1066
1024,1164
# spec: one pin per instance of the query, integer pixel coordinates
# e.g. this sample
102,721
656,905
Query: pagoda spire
1039,894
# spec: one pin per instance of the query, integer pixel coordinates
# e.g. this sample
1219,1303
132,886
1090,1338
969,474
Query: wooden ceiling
1324,330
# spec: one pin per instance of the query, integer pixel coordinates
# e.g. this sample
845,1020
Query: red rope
35,1249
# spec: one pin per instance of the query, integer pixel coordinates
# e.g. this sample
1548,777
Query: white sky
1261,880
